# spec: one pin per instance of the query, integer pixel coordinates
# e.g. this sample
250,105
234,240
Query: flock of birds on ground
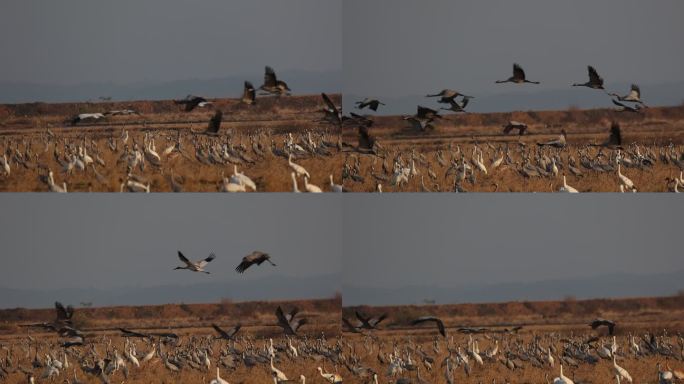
368,359
451,359
137,152
76,355
460,167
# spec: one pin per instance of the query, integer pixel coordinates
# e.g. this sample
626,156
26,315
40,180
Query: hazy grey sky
128,41
112,240
396,48
394,241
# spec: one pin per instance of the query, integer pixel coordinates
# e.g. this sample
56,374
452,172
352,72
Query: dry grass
24,126
546,322
653,131
192,322
257,316
155,372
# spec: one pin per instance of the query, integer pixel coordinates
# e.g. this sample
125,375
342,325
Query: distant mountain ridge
301,82
272,288
557,99
607,286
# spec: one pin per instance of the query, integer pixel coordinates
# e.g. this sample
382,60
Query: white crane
567,188
5,165
54,187
478,160
131,357
497,162
562,379
195,266
554,167
241,178
151,154
150,355
78,163
333,378
335,187
490,353
207,362
310,187
292,348
294,183
83,153
549,357
633,96
635,347
277,373
413,171
473,352
218,379
298,169
620,373
624,180
233,185
86,116
400,176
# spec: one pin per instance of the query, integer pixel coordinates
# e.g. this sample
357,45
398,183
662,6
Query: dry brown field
652,141
192,323
39,137
560,327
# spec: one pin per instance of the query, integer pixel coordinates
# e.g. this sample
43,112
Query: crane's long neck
294,183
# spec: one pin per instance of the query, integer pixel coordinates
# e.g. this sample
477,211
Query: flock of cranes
176,353
426,118
154,160
545,167
487,166
134,161
149,160
254,258
449,96
510,355
132,356
366,354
